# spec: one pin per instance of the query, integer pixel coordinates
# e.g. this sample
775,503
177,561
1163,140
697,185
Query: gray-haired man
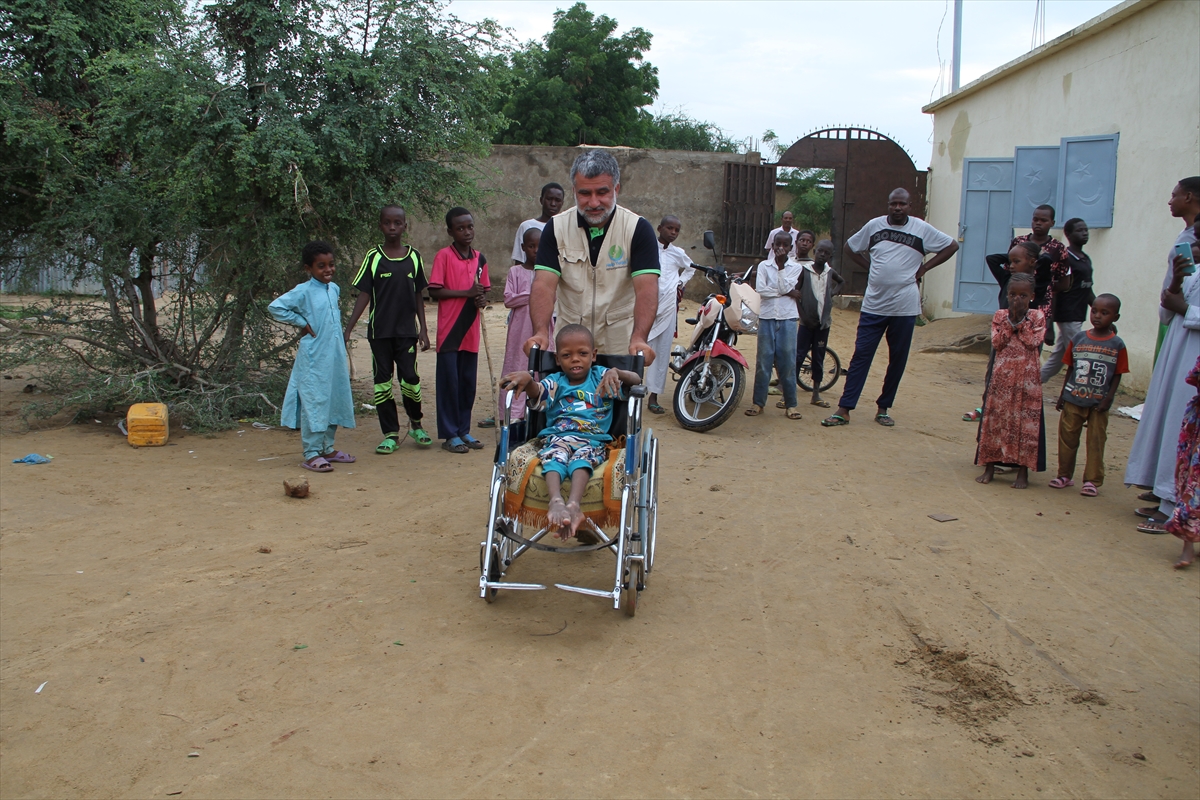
597,265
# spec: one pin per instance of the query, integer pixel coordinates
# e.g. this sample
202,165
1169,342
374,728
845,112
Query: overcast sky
793,67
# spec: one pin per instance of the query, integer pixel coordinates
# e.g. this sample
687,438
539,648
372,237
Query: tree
677,131
812,202
580,85
201,149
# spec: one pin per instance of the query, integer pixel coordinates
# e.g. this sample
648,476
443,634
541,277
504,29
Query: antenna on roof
956,56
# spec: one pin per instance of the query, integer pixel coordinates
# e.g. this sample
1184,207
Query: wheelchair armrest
637,391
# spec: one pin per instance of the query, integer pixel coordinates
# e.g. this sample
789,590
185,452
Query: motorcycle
711,372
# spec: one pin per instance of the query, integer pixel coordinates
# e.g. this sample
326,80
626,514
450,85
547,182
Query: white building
1100,123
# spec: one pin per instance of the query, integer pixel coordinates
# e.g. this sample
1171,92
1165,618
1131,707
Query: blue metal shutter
1035,182
1087,179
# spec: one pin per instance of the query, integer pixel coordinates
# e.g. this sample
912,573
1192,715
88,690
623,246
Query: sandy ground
808,630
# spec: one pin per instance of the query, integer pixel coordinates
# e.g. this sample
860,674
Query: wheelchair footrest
504,585
582,590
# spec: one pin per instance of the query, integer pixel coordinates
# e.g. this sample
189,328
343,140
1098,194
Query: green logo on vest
616,257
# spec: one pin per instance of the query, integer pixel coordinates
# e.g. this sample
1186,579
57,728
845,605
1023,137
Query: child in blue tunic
318,392
579,408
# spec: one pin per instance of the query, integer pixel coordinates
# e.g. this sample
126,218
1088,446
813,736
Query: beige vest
599,297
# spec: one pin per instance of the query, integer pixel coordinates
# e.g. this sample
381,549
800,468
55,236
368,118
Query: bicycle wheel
832,371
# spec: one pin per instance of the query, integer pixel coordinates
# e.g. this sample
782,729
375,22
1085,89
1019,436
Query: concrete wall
653,183
1140,76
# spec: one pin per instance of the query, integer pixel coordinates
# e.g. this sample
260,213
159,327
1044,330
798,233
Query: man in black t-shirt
391,281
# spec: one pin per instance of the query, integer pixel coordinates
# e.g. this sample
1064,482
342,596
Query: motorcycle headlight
748,320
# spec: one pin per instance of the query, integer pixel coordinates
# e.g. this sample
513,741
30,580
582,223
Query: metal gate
984,226
748,212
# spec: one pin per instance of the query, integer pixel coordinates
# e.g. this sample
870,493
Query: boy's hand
308,331
610,384
477,290
1049,337
517,381
346,337
1105,405
1059,405
423,339
481,301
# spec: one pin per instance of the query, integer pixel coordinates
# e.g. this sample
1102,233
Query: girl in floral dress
1185,522
1012,431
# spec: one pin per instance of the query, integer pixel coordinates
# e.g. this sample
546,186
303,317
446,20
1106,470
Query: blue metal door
984,226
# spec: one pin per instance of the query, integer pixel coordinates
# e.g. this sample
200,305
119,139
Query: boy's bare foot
1022,479
1187,556
576,517
558,517
989,472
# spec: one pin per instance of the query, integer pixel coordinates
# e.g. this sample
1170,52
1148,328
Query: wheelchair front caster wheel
493,573
633,584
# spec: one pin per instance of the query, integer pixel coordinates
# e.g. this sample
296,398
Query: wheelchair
627,486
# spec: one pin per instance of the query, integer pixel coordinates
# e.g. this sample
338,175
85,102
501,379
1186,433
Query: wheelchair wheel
632,587
650,535
708,394
833,371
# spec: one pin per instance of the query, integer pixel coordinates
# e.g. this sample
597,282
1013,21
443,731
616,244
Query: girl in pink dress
520,326
1013,429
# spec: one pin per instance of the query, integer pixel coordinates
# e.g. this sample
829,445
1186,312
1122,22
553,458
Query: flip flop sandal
973,415
834,421
754,411
420,436
885,420
1089,489
792,413
317,464
780,404
821,404
1152,527
455,446
341,458
490,422
387,446
1061,483
1149,512
655,408
1149,497
472,442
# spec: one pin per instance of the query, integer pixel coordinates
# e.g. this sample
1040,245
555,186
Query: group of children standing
795,316
1042,282
390,283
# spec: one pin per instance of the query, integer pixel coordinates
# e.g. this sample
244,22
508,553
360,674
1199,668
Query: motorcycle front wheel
707,394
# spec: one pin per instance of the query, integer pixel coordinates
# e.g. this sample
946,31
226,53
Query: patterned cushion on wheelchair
528,499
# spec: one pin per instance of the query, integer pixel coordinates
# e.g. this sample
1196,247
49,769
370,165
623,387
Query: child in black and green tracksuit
391,281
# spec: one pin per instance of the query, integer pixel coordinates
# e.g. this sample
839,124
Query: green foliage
581,84
149,141
677,131
812,206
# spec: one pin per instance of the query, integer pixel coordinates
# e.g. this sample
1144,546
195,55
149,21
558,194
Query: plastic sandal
387,446
1089,489
1061,483
792,413
472,442
420,436
655,408
1149,497
973,415
1149,512
834,421
754,411
1151,527
885,420
317,464
455,445
490,422
340,457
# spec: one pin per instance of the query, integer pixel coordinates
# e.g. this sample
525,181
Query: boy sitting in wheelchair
579,409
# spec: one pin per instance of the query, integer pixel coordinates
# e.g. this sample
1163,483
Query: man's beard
599,219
